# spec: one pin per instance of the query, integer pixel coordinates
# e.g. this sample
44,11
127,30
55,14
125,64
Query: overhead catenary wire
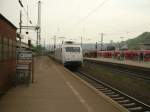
89,14
93,11
126,32
26,12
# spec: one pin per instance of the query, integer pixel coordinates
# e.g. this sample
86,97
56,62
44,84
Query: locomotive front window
72,49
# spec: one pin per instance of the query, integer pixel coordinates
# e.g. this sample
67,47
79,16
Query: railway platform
123,62
55,89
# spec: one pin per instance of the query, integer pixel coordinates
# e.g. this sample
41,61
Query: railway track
130,103
126,71
132,74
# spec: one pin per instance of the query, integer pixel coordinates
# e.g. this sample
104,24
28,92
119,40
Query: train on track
135,55
69,54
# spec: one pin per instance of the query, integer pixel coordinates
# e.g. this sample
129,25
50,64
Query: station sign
24,58
22,67
24,61
24,55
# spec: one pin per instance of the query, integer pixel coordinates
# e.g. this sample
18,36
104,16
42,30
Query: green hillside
134,43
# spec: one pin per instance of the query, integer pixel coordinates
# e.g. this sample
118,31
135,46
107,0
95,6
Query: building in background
145,46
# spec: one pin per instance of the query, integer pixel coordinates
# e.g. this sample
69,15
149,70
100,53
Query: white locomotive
69,54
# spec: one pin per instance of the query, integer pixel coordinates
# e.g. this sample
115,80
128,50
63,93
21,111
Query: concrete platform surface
54,90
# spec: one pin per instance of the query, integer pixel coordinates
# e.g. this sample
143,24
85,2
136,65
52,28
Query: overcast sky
87,18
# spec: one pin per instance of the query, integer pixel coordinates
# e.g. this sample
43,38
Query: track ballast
130,103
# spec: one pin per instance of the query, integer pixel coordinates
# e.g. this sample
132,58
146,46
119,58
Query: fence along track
130,103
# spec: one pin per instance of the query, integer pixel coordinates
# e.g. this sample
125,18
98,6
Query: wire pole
96,47
81,41
39,24
39,16
54,42
44,47
102,34
27,19
20,29
122,41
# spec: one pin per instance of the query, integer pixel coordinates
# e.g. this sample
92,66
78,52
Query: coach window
1,47
72,49
4,51
5,48
14,50
10,48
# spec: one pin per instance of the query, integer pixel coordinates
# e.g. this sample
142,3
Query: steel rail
130,103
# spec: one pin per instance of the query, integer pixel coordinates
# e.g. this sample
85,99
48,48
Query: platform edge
115,104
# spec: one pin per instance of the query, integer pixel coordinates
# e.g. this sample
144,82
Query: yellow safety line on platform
89,109
81,99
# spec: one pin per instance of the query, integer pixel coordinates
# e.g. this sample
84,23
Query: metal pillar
20,29
102,34
39,24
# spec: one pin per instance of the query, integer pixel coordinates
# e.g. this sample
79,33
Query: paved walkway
54,90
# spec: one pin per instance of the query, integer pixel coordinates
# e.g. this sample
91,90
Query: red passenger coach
7,53
91,54
105,54
146,55
131,55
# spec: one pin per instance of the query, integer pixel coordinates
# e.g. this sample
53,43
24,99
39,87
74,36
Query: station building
7,53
